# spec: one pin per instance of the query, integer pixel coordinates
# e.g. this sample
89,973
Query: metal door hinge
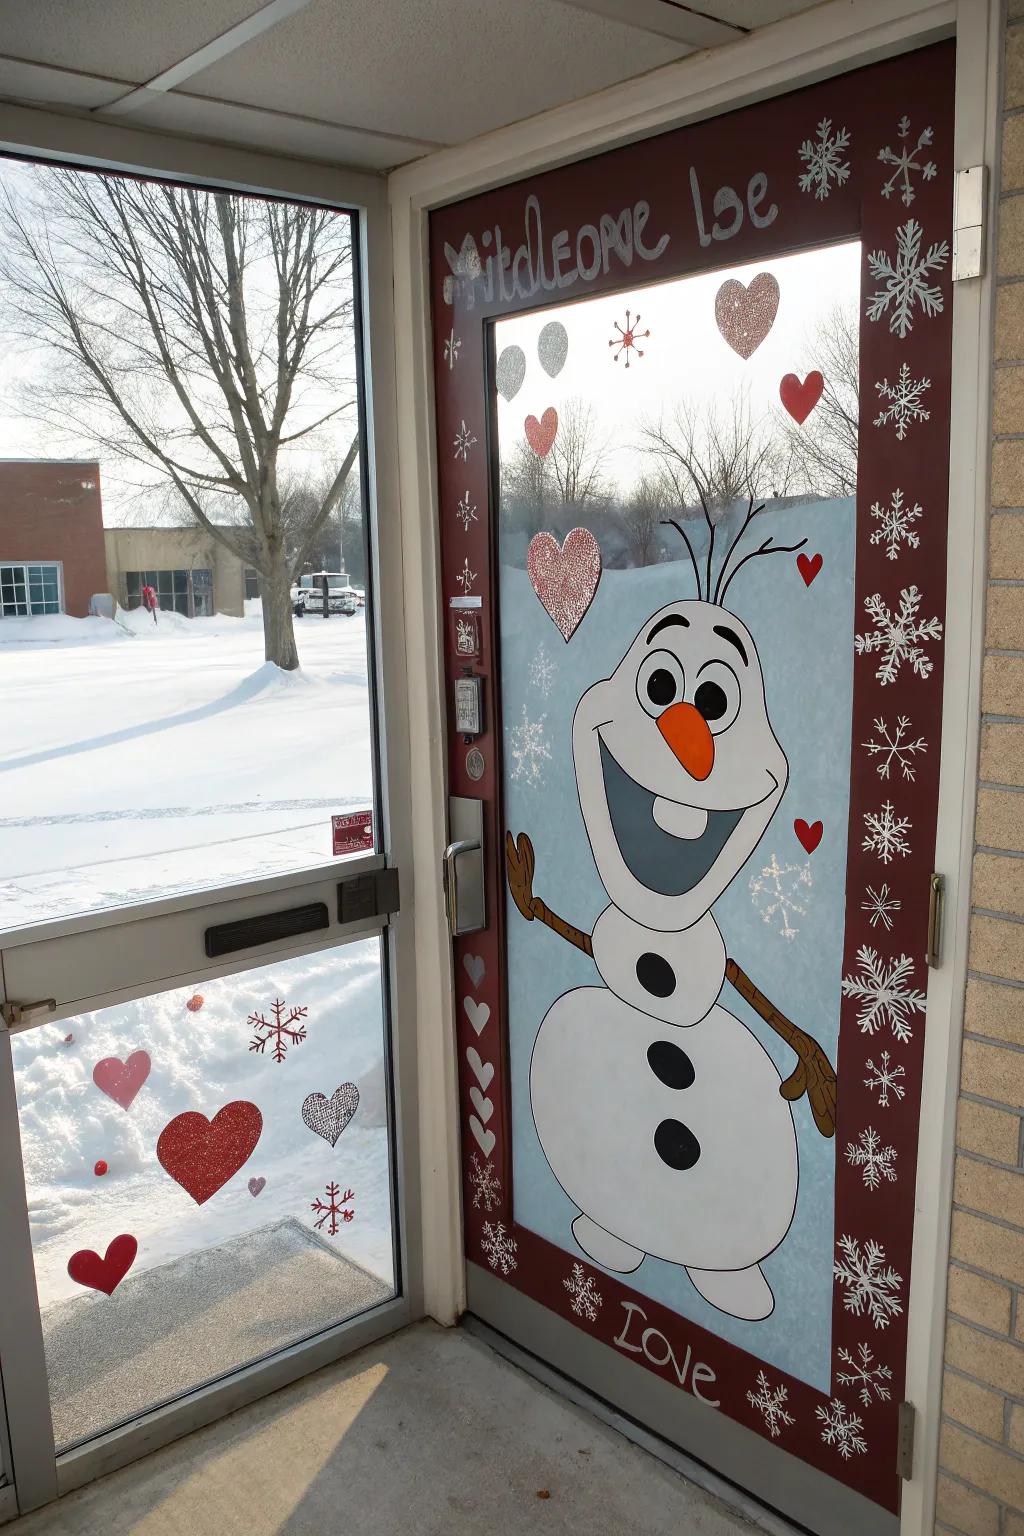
969,223
905,1441
936,891
20,1015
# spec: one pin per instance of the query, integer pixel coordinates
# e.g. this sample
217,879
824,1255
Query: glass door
200,931
693,428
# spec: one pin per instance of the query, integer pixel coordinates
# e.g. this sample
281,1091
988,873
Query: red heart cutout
565,576
201,1155
541,434
808,568
121,1080
800,399
810,836
106,1274
745,314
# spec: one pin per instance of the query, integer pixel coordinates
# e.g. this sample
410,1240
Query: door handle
474,914
19,1015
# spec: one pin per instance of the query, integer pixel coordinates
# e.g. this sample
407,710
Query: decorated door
693,418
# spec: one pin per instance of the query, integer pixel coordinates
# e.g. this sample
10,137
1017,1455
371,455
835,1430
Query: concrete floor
428,1433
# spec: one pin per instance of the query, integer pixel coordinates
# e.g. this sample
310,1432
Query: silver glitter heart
328,1117
552,347
510,371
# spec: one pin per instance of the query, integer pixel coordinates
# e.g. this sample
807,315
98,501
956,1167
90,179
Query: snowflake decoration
465,267
881,907
895,748
486,1184
278,1029
871,1285
334,1206
886,833
465,637
466,577
874,1161
452,348
885,1078
769,1402
824,158
865,1374
528,749
542,672
626,340
886,1002
777,893
842,1429
499,1247
463,441
906,162
898,635
904,399
896,519
466,513
585,1297
904,289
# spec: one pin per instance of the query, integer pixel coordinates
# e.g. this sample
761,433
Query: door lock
19,1015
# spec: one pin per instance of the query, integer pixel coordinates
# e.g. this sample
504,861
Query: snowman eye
717,695
659,682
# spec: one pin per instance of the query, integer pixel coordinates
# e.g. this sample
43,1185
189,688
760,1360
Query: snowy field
140,760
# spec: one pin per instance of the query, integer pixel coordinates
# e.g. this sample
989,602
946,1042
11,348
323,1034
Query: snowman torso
673,976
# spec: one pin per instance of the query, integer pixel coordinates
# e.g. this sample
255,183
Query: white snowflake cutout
874,1161
463,441
906,162
866,1374
870,1285
485,1184
824,157
904,402
528,749
896,520
770,1403
842,1429
585,1298
466,513
886,833
777,893
499,1247
898,635
904,289
452,348
881,905
886,1000
895,747
885,1079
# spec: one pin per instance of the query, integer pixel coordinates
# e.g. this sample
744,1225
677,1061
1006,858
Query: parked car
309,594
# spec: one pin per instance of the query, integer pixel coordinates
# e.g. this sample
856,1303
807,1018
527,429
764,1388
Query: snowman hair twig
725,575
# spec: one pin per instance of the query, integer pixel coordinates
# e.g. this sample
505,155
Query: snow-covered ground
138,760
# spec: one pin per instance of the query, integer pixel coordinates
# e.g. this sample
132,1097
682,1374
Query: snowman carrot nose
686,731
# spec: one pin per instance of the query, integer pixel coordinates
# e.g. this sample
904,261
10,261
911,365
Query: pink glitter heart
256,1186
565,577
745,314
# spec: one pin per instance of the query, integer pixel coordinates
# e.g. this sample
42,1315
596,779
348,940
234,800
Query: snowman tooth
688,821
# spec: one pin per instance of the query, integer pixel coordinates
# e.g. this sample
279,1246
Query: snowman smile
662,861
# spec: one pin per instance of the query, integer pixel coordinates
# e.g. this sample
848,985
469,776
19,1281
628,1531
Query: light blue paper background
804,638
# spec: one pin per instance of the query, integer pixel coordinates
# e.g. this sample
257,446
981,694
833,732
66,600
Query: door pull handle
450,874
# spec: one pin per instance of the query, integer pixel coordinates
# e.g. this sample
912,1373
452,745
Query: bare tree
647,508
825,457
198,335
577,459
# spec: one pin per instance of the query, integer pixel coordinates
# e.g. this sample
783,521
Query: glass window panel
180,580
292,1238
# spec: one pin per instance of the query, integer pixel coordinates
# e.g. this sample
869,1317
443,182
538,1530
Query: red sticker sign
352,833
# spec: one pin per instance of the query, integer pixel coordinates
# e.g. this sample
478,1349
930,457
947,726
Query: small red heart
809,835
541,434
87,1268
808,568
800,399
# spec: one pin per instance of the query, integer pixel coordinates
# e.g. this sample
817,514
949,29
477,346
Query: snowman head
678,769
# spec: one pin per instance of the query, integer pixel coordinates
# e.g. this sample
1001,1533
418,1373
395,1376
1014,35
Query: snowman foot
740,1292
605,1248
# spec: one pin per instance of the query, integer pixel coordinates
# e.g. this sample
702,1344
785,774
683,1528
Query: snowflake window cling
886,1000
466,578
452,348
824,157
841,1428
777,892
466,513
904,289
865,1373
626,341
885,1079
542,672
898,635
528,749
499,1247
770,1403
904,402
278,1029
874,1161
585,1298
895,747
881,906
906,162
463,441
896,520
335,1205
485,1184
886,833
870,1285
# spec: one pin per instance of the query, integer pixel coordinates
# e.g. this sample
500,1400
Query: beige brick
979,1299
962,1509
1000,820
1015,1433
1010,256
1012,170
999,880
998,1363
1013,85
1013,1525
990,1071
971,1405
1002,685
996,1192
1006,546
1014,9
990,1132
1008,382
997,948
1004,617
1008,454
997,1250
999,1472
1018,1330
999,1012
1002,753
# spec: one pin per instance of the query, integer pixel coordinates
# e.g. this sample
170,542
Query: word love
657,1351
727,201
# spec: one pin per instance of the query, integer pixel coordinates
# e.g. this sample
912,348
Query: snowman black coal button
670,1065
655,975
676,1145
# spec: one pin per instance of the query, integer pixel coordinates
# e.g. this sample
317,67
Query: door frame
833,39
85,141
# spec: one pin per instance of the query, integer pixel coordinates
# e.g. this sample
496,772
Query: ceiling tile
753,13
40,85
442,70
129,40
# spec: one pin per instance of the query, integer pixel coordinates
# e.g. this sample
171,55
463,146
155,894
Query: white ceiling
368,83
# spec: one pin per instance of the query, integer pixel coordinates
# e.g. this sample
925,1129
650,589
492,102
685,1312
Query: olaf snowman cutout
660,1113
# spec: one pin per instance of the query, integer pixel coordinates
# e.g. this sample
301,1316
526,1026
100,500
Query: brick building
52,557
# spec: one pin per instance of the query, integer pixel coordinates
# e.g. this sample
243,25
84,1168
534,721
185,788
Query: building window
189,593
29,589
252,583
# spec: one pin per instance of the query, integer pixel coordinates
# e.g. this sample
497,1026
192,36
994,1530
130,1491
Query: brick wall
52,511
981,1451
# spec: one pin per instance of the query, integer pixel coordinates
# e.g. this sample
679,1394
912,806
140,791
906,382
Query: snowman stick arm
814,1074
519,863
